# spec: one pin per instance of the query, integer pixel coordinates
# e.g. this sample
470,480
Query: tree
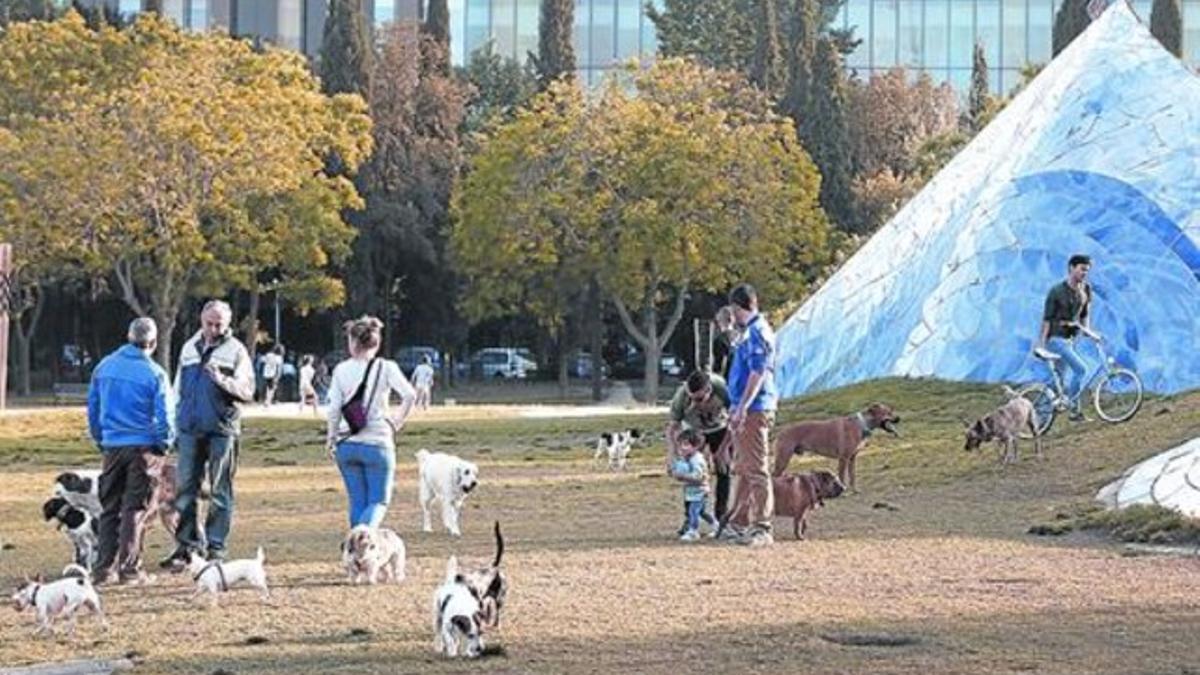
398,266
26,10
170,145
890,118
690,182
802,47
767,69
830,144
437,27
1071,20
1166,23
556,52
501,85
722,33
346,53
980,96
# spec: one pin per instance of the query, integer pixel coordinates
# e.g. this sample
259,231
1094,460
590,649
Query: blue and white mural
1099,155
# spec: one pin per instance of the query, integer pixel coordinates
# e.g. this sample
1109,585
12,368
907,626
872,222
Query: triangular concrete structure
1100,154
1169,479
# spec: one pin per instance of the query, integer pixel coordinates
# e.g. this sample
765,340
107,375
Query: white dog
59,598
449,479
456,615
81,528
217,576
616,445
81,488
368,550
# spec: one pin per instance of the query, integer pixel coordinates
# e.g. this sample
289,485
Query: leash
220,571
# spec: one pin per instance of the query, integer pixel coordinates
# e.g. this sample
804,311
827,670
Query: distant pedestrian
423,377
272,371
308,391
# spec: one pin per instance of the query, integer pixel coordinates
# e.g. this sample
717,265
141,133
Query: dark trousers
714,441
127,482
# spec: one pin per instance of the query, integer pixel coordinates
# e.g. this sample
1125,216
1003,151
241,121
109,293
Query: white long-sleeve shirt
385,378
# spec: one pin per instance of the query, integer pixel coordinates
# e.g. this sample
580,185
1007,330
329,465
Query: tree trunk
563,343
250,323
165,318
24,333
648,337
596,337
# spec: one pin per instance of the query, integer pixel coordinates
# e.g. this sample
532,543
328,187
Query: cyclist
1066,314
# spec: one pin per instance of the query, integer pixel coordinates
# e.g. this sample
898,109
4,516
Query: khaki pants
753,501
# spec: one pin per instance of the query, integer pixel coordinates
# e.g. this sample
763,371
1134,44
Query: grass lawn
928,569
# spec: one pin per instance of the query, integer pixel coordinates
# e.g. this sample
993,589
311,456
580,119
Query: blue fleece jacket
130,403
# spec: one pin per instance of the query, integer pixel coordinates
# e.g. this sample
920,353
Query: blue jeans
216,455
697,510
369,473
1075,363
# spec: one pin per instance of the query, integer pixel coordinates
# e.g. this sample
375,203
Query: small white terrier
367,551
217,576
456,615
63,597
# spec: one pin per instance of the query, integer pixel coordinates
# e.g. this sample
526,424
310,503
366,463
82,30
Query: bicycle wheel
1118,395
1042,397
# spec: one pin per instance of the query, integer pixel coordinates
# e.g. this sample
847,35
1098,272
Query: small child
690,469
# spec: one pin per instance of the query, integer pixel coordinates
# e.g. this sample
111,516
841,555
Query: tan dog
800,493
839,439
1004,425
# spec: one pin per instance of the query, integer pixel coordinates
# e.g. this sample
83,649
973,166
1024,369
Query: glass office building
933,36
939,36
607,32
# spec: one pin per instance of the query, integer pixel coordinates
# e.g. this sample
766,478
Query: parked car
634,366
669,364
410,357
502,362
580,364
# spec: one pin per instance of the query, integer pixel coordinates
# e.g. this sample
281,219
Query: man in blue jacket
215,377
753,401
131,418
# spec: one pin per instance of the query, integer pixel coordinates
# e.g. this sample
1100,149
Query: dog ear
39,578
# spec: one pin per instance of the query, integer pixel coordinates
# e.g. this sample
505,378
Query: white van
502,362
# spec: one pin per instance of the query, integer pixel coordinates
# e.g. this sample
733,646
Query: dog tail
451,569
499,546
74,570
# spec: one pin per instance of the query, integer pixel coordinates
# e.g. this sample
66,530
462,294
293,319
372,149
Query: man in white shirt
272,370
422,377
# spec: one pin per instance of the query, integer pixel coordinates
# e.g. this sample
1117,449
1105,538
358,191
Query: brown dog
839,439
797,494
1004,425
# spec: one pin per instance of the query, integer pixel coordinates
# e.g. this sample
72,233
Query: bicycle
1116,396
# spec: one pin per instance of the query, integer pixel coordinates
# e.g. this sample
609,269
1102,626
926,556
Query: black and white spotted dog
490,585
81,488
81,528
457,615
616,445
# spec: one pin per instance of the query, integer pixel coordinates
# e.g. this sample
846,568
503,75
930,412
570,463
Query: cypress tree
437,27
345,60
980,95
556,53
829,144
1071,20
802,46
766,69
1166,23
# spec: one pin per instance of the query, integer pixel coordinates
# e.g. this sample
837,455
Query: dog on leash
841,438
799,494
448,479
616,445
490,585
457,615
368,551
61,598
1003,425
218,576
81,528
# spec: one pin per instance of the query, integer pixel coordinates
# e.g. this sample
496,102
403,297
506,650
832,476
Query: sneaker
729,533
1078,416
682,530
138,578
105,579
216,554
690,535
176,561
757,539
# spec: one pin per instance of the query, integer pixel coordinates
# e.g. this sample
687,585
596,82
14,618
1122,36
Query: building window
478,23
962,34
582,38
858,19
629,17
603,31
385,11
529,15
1041,23
289,23
883,33
504,27
198,17
458,51
937,33
909,36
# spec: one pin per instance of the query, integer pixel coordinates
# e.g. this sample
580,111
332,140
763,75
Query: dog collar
33,598
862,424
220,572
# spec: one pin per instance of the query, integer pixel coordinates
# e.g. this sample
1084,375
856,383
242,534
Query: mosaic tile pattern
1170,479
1099,155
